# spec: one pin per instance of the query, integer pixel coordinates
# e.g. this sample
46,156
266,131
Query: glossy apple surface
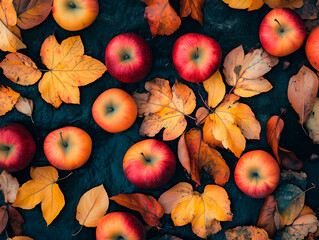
67,148
196,57
128,58
17,147
312,48
282,32
120,226
75,15
257,174
149,163
114,110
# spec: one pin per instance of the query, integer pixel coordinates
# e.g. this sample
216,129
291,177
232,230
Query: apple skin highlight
312,48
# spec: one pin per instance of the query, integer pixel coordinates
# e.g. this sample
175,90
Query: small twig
65,177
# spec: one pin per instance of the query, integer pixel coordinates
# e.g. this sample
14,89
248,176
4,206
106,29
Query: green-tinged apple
312,48
128,58
67,148
196,57
75,15
149,163
17,147
282,32
114,110
257,174
120,226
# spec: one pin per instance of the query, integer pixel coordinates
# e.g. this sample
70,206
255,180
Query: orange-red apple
257,174
75,15
67,148
312,48
282,32
149,163
114,110
17,147
120,226
196,57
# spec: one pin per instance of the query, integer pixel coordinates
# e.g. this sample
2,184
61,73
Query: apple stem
196,53
63,142
4,148
72,5
126,56
145,158
281,28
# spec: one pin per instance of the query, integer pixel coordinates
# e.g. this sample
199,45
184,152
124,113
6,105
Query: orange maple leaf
193,8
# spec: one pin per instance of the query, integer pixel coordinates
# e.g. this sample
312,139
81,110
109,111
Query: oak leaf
8,99
9,186
200,155
25,106
312,123
20,69
68,69
32,12
244,72
164,107
42,189
147,206
92,206
203,211
246,232
230,123
243,4
284,3
215,88
193,8
162,18
4,218
302,92
274,127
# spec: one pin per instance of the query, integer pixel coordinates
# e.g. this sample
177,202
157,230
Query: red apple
196,57
75,15
17,147
282,32
67,148
114,110
120,226
257,174
128,58
149,164
312,48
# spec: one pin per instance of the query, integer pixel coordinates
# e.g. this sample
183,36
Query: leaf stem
65,177
74,234
205,102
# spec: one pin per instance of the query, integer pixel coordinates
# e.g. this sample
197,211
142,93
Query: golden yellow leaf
20,238
8,14
215,88
42,188
20,69
284,3
256,4
243,4
164,107
68,69
244,72
92,206
8,99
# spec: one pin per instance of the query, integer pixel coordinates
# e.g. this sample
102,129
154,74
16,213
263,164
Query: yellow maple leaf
204,210
68,69
8,98
243,4
164,107
42,189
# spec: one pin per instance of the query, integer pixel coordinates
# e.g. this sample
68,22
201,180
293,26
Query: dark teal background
229,27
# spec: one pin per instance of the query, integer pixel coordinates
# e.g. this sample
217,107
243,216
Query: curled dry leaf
4,217
68,69
246,232
292,4
183,155
204,210
312,124
244,72
215,88
9,186
25,106
290,200
32,12
289,160
202,156
193,8
42,189
8,98
243,4
164,107
16,221
230,123
20,69
274,127
302,92
92,206
150,209
162,18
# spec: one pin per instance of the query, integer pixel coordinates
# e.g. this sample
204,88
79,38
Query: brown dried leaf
289,160
246,232
306,210
292,4
312,123
193,8
3,218
16,220
309,10
25,106
9,186
183,155
8,99
274,127
201,115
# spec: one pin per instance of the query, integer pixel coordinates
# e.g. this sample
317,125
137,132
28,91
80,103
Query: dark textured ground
230,28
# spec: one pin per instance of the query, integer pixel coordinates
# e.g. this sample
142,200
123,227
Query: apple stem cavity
5,148
281,28
196,53
65,144
145,158
71,5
